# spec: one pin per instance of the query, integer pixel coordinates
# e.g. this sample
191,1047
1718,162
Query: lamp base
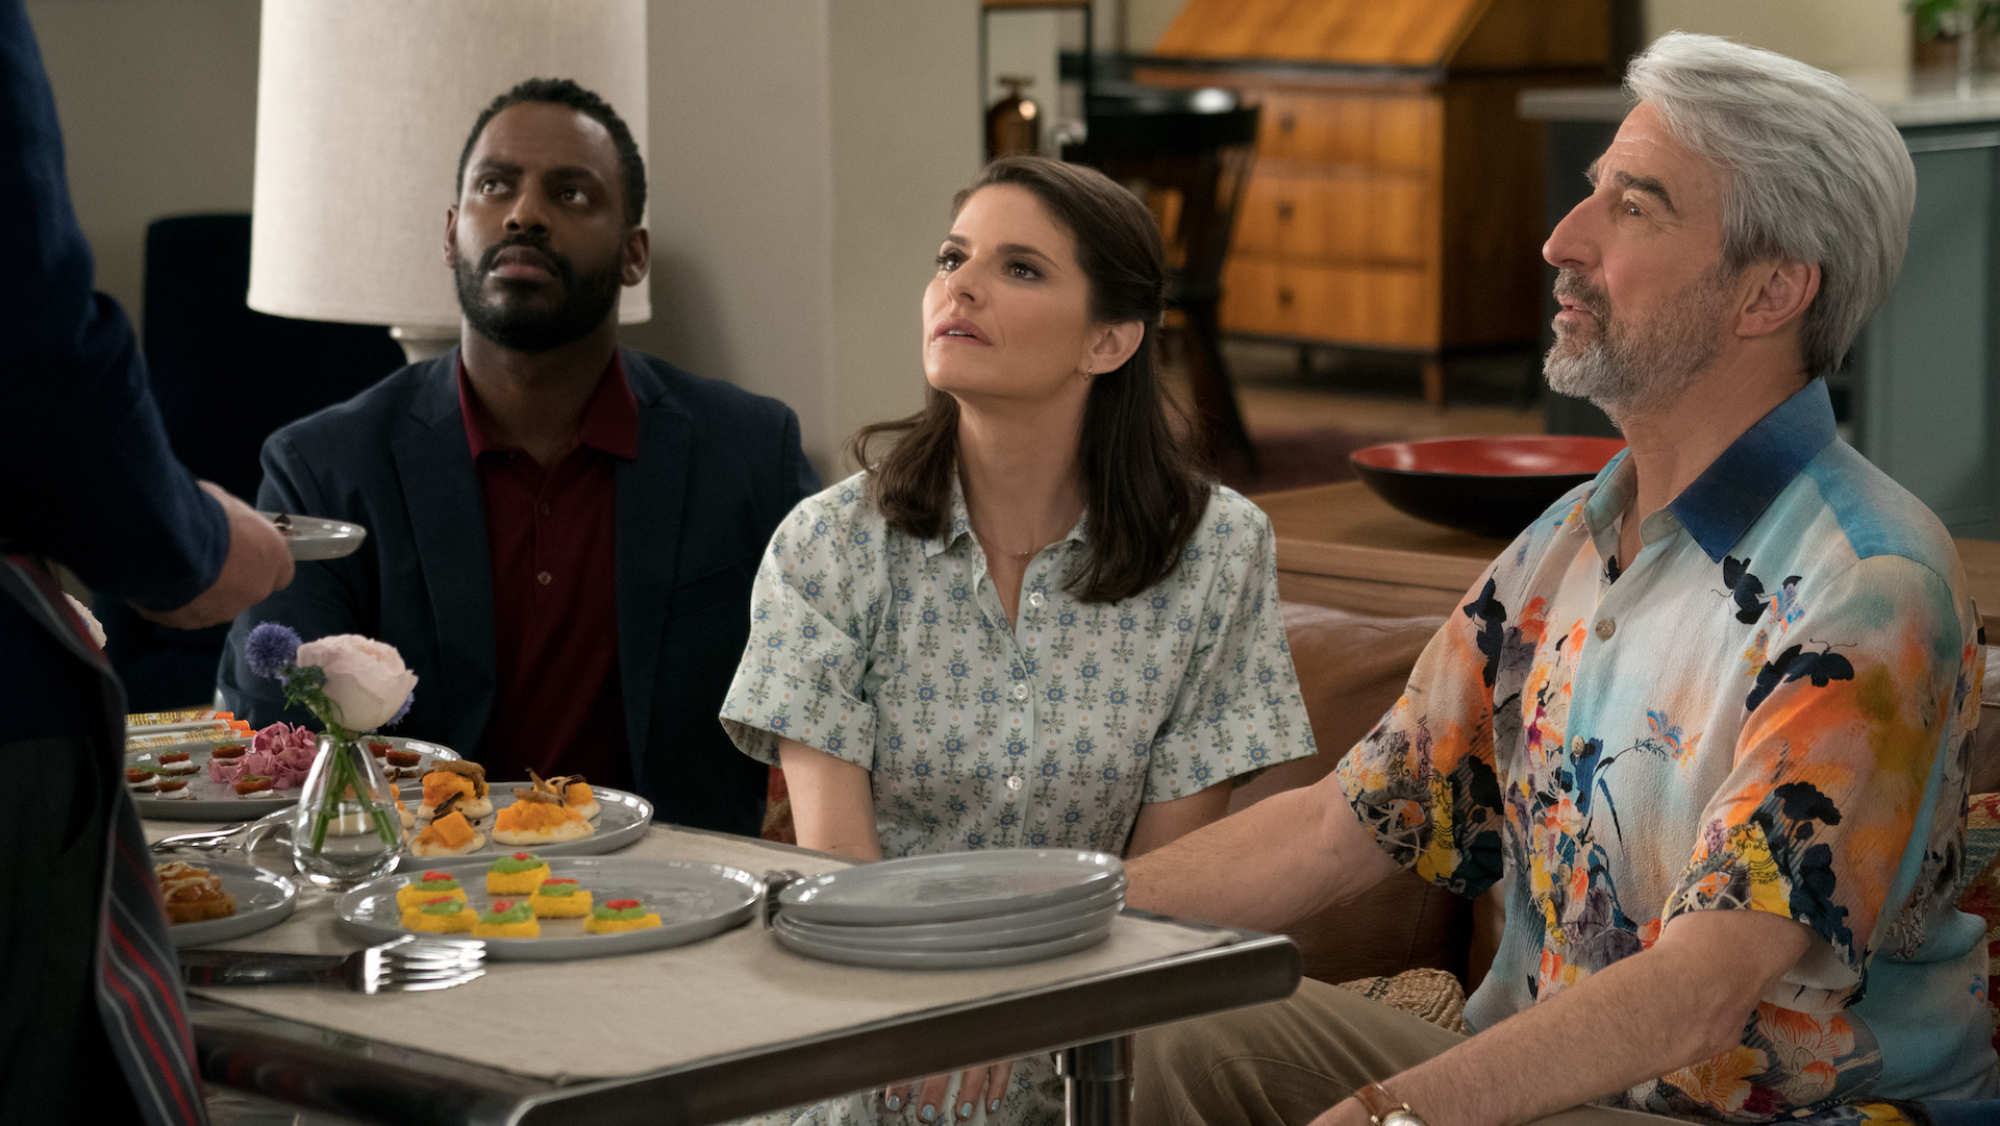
424,342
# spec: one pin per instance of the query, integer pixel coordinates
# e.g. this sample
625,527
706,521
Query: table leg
1097,1082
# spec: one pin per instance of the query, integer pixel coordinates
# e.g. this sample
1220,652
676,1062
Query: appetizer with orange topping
466,779
449,834
537,818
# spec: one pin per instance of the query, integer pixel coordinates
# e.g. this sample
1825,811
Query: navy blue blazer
717,469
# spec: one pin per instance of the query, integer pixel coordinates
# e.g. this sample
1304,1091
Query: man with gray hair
1704,723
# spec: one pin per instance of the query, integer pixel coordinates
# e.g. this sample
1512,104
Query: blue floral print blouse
892,652
1770,710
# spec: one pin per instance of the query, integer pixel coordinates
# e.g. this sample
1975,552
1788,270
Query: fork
406,964
248,834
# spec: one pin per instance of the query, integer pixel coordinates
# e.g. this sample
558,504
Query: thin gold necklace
985,539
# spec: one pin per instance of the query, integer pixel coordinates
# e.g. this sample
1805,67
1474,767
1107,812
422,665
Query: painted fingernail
894,1102
965,1110
993,1107
928,1114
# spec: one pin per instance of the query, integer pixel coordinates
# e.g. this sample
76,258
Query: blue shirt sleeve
93,483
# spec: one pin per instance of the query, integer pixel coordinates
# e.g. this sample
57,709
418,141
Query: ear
638,257
1110,345
450,232
1782,292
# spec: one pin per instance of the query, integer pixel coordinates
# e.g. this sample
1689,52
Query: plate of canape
208,779
529,908
218,900
458,814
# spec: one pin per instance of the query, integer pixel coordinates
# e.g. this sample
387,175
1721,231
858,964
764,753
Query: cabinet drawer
1367,306
1341,219
1383,132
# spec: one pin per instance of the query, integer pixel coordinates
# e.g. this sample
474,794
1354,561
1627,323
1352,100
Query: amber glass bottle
1014,124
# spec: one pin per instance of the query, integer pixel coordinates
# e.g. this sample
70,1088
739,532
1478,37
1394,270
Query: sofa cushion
1351,670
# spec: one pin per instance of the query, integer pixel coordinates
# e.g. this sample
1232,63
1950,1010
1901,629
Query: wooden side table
1343,547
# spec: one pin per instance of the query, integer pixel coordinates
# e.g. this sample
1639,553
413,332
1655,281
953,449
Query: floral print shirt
1769,710
892,652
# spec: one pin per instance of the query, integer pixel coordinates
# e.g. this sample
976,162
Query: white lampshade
362,109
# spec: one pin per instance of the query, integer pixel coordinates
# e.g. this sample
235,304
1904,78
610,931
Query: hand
985,1084
258,563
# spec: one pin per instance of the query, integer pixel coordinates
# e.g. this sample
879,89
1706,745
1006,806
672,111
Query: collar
610,420
1719,506
960,524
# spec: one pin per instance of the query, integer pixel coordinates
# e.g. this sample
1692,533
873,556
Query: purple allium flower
402,711
271,648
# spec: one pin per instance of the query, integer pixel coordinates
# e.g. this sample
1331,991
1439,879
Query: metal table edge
312,1066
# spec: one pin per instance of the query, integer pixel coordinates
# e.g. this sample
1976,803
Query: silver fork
247,834
404,965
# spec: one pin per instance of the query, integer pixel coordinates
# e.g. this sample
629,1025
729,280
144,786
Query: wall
158,103
804,153
1866,39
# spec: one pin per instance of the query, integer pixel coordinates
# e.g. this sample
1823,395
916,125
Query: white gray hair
1815,172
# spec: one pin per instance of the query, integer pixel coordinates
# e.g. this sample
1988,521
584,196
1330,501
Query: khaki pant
1286,1063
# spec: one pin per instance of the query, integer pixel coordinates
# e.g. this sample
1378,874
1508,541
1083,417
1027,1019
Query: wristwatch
1384,1110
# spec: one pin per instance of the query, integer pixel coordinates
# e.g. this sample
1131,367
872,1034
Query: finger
930,1099
997,1078
897,1095
971,1089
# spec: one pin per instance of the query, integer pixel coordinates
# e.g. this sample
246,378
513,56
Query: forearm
1162,822
1266,867
833,805
1642,1017
104,494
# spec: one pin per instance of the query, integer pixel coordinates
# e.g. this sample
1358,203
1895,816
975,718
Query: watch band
1384,1109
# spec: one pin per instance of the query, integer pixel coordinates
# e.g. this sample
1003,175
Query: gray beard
1627,374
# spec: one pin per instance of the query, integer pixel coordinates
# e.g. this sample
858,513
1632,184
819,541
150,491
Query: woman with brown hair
1031,622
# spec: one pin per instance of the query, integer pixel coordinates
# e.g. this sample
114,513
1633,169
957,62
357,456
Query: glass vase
346,829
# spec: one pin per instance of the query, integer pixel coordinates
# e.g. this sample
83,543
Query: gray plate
986,934
312,539
216,801
951,886
623,821
263,900
789,937
694,901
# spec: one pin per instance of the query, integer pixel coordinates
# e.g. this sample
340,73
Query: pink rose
365,679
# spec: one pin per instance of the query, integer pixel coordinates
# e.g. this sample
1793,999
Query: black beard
586,300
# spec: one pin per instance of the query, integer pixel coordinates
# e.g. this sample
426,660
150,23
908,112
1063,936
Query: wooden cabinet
1396,200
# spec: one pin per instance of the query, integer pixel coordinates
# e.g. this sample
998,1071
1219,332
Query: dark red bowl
1488,486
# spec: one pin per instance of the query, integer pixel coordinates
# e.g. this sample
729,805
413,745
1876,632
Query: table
361,1056
1342,546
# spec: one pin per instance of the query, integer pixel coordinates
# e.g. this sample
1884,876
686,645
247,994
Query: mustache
560,263
1570,284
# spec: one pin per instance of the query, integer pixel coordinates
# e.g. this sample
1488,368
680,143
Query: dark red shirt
552,538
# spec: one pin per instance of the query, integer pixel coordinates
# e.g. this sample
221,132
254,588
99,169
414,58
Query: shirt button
1036,600
1576,746
1014,782
544,578
545,508
1605,628
1020,691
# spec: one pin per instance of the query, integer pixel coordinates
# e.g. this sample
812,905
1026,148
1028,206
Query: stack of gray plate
956,910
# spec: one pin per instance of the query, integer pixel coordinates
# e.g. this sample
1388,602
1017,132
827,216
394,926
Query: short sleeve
813,616
1238,709
1423,782
1843,776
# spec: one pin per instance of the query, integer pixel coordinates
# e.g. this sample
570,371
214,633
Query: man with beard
1704,723
562,533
